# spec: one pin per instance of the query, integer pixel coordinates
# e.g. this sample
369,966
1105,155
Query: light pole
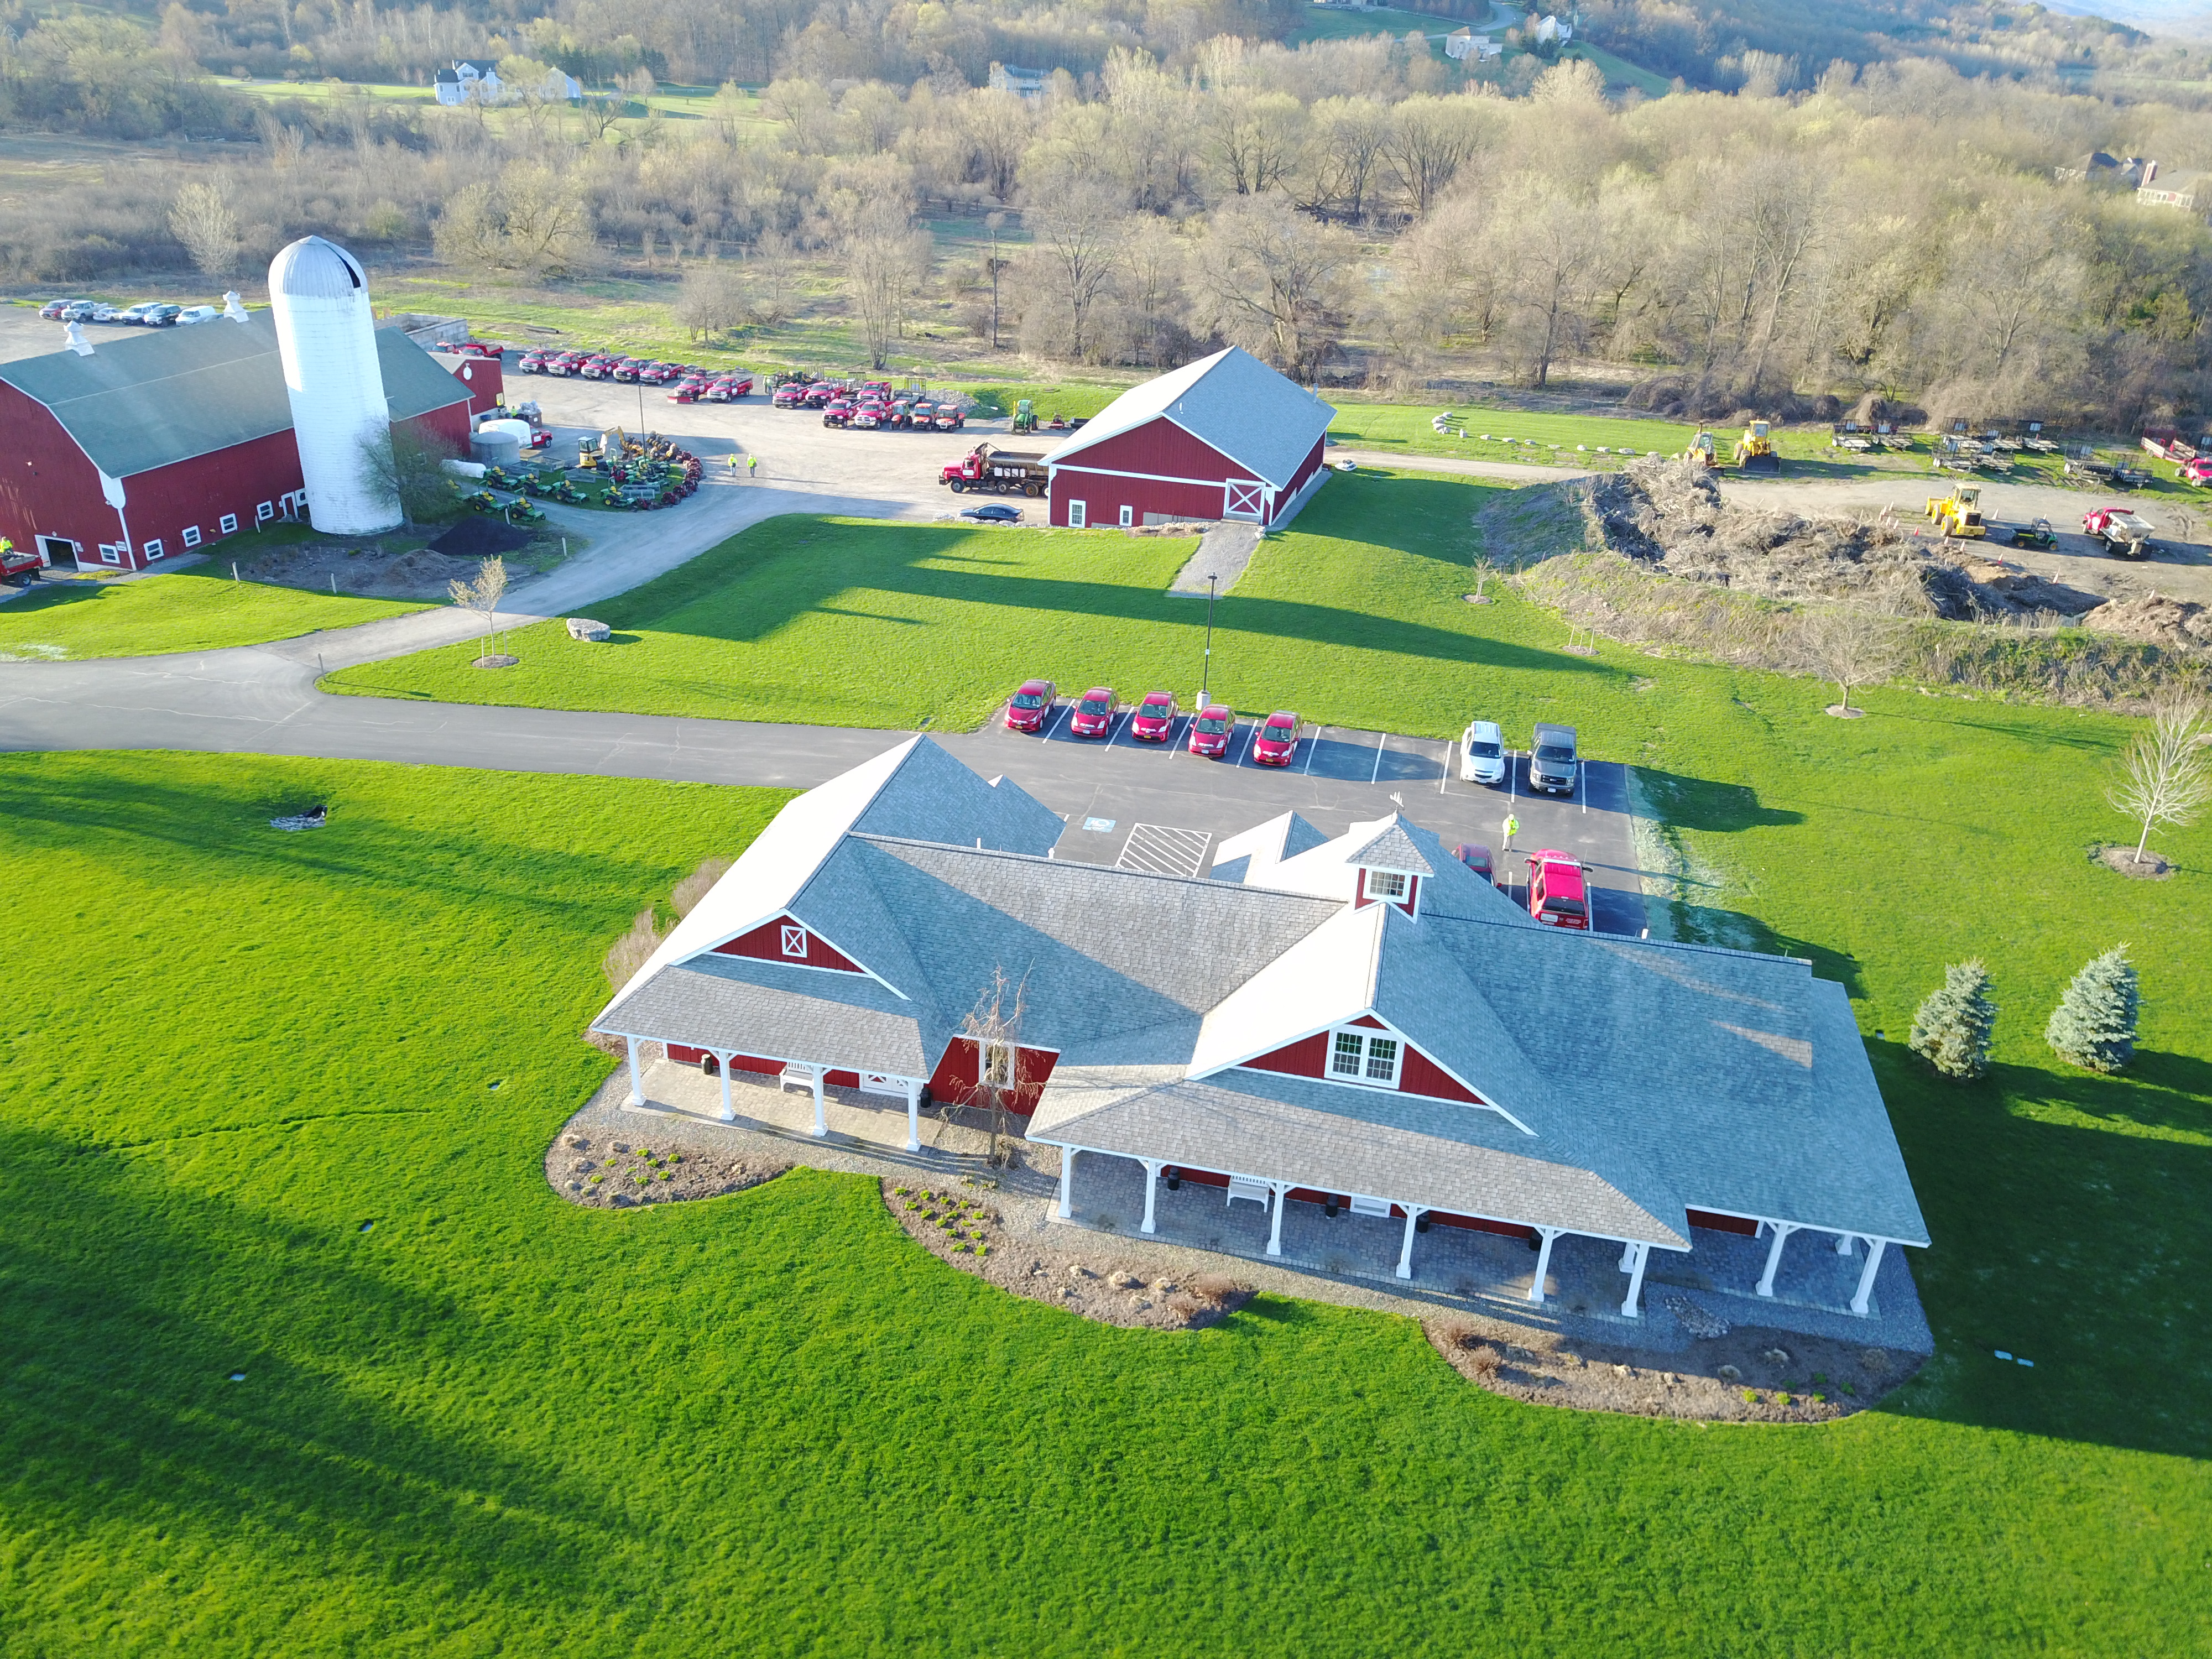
993,221
640,411
1206,664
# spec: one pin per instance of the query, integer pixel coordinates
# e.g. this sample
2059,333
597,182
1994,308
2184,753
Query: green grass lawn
275,1105
1567,439
200,609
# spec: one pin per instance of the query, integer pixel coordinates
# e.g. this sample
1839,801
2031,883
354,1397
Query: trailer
2125,534
997,472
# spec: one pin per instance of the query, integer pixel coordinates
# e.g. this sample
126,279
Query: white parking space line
1381,742
1251,732
1160,850
1053,725
1313,748
1444,776
1114,736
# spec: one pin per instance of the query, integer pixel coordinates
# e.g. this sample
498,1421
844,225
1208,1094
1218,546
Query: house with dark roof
138,449
1225,437
1350,1021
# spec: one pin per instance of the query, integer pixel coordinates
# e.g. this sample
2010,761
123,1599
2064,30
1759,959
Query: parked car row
150,313
688,383
870,405
1552,765
1152,720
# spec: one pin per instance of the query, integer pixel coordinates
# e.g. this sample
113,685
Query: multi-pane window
1386,884
1359,1056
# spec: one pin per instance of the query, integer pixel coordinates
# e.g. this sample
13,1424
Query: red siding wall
765,943
1310,1195
1419,1075
954,1078
1303,1057
683,1056
1160,449
1722,1224
485,377
201,490
1416,1074
451,423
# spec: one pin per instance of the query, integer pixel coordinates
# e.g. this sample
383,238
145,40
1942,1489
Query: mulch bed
959,1223
1747,1376
363,570
480,538
621,1174
2122,861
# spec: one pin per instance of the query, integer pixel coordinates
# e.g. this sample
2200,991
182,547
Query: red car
1094,714
1028,708
1154,718
1276,741
1211,730
1476,857
1556,895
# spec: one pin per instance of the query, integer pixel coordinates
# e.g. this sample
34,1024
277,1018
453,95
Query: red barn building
1225,437
157,444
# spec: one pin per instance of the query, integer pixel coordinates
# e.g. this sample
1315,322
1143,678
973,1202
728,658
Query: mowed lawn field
194,609
275,1105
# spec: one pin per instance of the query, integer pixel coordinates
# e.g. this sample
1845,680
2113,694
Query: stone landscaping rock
583,628
1701,1322
1729,1374
1776,1356
1124,1281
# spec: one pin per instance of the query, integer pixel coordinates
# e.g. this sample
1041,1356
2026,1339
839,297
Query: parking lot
1157,807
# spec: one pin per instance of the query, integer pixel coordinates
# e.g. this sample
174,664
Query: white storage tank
326,336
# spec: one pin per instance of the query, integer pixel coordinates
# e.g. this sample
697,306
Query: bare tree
886,262
1430,140
995,1026
410,466
1851,647
711,299
1079,230
204,222
1276,282
483,596
2166,777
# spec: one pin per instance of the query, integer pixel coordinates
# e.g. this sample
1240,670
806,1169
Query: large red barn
1225,437
154,445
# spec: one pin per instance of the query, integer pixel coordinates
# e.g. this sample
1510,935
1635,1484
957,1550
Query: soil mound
481,538
2153,619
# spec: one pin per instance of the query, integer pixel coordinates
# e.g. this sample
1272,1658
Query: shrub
629,953
1951,1031
695,886
2093,1025
1216,1288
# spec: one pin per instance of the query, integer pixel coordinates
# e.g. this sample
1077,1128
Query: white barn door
1245,499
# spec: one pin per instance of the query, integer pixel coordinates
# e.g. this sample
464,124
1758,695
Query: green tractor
1025,415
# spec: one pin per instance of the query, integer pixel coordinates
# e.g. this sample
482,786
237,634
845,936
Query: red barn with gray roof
1225,437
157,444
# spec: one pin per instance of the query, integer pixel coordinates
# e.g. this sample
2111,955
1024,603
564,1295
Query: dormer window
1389,884
1365,1057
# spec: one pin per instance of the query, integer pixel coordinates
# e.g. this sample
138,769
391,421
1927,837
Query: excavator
1754,450
1960,512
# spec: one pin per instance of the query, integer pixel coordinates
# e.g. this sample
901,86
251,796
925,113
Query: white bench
1249,1187
1363,1205
801,1076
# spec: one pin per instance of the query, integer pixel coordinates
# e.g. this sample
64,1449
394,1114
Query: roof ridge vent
77,342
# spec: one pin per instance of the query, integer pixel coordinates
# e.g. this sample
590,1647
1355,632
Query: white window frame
1379,885
1128,517
1077,513
263,513
192,535
794,934
228,523
152,550
1365,1057
110,553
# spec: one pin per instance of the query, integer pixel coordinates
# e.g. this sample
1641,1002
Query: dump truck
1960,512
997,472
2125,534
1754,450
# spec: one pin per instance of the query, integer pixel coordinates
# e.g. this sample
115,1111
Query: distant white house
1023,82
2185,190
477,80
1554,29
1466,43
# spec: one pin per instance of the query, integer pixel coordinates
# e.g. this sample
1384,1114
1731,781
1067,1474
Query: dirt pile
1669,516
368,571
2153,619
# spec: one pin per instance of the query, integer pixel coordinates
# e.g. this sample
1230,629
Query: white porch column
913,1115
1543,1261
1281,1189
1875,1248
1152,1189
722,1064
1413,1212
1066,1180
1640,1255
1781,1231
1627,1256
636,1087
1845,1243
821,1114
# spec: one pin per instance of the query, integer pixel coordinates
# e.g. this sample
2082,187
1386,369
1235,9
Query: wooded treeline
1352,211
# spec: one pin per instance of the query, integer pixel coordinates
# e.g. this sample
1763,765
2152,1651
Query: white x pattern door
1244,499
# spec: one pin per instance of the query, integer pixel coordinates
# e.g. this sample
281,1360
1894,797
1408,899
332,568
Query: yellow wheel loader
1960,512
1754,450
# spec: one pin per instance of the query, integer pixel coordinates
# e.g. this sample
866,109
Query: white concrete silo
326,337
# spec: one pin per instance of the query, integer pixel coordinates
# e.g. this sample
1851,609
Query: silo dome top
312,268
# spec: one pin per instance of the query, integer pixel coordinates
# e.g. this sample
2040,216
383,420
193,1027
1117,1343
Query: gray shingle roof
1646,1079
1230,400
169,394
1391,849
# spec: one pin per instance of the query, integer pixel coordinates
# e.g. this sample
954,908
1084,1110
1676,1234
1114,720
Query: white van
1482,753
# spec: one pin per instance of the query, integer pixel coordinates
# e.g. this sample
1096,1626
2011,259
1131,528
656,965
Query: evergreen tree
2094,1023
1952,1030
